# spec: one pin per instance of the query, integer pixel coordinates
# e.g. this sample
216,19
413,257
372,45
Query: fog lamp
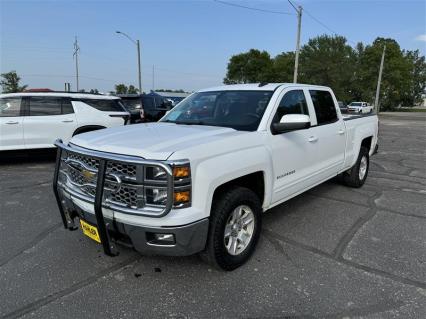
161,239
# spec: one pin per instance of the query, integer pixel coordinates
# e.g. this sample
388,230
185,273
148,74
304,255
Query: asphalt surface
333,252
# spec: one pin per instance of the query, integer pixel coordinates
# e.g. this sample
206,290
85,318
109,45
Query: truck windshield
240,110
356,104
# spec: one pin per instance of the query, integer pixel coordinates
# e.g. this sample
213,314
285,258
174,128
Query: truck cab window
324,106
293,102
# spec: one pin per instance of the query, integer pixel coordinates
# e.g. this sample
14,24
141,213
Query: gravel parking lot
333,252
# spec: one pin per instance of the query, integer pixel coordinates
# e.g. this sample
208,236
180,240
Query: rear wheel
356,176
234,229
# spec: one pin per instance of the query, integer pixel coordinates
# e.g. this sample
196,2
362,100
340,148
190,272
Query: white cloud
421,37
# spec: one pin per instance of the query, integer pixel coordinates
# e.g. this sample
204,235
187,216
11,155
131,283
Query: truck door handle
67,121
312,139
341,132
11,122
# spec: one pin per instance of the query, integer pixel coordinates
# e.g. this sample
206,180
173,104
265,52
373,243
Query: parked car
343,107
360,107
36,120
145,107
199,181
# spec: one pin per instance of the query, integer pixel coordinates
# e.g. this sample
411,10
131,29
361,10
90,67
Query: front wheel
356,176
234,230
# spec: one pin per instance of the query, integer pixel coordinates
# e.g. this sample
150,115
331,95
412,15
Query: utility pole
296,59
376,101
299,27
153,77
75,54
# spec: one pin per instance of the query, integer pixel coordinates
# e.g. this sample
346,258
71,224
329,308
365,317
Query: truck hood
156,141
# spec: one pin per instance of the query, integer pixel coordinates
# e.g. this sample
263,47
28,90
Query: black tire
216,253
351,177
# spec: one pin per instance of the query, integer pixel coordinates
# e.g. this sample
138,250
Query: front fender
213,172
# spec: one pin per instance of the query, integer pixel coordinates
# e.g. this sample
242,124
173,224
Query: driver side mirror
291,122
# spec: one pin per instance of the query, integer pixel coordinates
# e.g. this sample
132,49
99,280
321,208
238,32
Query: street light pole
139,67
139,58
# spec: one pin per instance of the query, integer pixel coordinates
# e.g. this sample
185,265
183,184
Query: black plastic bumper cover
189,239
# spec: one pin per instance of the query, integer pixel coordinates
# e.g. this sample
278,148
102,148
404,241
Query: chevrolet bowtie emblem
88,174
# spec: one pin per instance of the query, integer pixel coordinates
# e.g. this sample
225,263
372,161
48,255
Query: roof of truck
257,87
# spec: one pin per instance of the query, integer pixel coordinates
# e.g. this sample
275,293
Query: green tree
283,67
132,90
417,79
121,89
396,78
10,82
250,67
94,91
328,60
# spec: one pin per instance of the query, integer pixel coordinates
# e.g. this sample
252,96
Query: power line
292,5
322,23
252,8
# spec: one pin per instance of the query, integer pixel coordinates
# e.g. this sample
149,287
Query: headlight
156,173
156,179
156,196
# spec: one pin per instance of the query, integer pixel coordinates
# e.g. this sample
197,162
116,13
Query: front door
293,153
11,124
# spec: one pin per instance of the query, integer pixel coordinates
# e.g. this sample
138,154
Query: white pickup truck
360,107
200,179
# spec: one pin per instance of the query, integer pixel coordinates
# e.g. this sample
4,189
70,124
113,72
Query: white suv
36,120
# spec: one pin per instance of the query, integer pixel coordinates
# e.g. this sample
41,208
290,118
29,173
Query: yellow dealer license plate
90,231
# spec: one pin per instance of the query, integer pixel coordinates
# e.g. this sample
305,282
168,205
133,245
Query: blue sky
188,42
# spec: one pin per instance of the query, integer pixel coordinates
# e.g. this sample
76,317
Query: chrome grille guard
99,180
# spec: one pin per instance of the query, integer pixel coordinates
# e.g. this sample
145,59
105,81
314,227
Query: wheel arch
254,181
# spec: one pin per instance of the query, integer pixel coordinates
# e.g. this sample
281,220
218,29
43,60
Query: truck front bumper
183,240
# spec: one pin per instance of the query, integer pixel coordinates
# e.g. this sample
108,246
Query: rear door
49,118
328,134
11,123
